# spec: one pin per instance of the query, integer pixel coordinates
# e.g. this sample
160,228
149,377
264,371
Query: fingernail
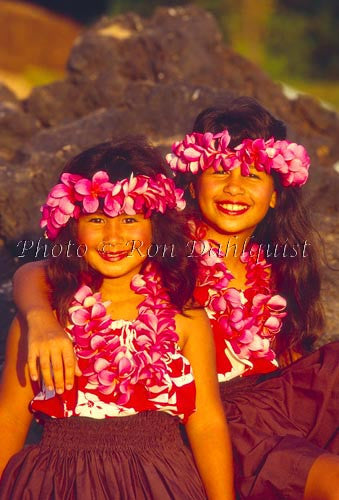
69,387
59,390
50,387
34,378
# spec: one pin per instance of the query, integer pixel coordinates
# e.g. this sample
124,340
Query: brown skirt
125,458
281,422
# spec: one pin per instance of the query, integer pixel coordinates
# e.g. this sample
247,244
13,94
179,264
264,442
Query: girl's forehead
101,213
252,168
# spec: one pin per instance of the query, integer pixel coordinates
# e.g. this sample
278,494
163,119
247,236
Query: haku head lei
76,195
197,152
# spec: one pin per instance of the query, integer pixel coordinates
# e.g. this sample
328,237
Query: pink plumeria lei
112,366
248,325
197,152
138,194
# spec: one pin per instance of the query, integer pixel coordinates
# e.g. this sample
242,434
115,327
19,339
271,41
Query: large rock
16,125
16,128
6,94
130,75
176,45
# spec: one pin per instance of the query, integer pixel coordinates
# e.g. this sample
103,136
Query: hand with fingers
50,352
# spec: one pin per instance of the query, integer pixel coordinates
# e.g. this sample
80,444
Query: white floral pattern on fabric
89,405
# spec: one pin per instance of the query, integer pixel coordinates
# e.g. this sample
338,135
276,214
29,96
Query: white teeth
233,206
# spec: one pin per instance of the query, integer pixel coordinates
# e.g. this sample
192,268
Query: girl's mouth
113,256
232,208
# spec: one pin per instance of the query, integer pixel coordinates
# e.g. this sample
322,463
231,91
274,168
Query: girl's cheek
88,237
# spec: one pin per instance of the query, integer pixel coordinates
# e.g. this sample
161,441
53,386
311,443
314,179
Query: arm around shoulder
30,289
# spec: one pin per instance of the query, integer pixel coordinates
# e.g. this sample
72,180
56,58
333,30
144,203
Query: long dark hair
296,278
66,273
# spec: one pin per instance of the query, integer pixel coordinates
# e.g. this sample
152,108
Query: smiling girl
145,357
243,181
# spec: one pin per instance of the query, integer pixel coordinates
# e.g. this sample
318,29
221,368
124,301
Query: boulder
6,94
129,75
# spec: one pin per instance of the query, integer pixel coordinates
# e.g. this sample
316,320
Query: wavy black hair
297,278
119,159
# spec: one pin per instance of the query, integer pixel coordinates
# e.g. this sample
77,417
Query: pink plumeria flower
91,190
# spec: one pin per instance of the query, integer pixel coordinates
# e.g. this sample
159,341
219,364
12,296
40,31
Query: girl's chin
228,230
116,269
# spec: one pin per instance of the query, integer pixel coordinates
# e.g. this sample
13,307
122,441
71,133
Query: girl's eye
129,220
96,220
251,175
221,171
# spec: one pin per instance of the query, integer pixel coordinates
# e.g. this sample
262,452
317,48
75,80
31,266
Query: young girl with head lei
259,282
113,434
242,180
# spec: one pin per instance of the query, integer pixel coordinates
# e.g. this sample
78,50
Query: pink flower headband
76,194
197,152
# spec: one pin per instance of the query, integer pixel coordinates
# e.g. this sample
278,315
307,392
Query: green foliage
303,40
324,30
293,40
287,52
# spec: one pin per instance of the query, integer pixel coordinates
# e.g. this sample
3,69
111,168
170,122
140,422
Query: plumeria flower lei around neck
197,152
249,325
76,195
112,366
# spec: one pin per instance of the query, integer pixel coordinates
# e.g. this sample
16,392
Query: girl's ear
191,189
273,201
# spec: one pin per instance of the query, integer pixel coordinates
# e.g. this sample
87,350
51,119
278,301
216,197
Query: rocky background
148,76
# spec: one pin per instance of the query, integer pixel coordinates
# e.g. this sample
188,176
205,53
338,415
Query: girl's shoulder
189,323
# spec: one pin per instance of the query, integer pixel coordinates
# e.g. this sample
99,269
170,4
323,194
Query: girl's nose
112,232
234,182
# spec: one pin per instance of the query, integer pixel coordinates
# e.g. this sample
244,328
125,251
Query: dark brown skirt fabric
136,457
281,422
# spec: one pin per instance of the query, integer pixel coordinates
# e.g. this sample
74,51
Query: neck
233,246
117,289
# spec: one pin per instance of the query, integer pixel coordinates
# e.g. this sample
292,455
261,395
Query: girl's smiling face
231,203
109,241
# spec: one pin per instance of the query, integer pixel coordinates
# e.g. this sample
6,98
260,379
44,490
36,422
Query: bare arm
207,428
15,394
47,340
